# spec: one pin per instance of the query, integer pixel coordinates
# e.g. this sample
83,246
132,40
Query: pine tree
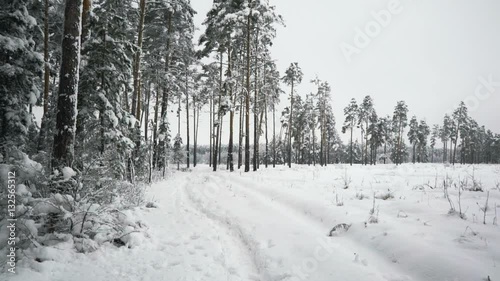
386,134
293,76
445,135
20,72
435,134
375,131
423,135
399,122
351,114
365,112
460,118
413,136
103,123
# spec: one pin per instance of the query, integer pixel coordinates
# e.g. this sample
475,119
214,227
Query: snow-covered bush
361,196
69,204
385,195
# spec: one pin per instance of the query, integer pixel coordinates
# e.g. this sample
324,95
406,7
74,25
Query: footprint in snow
196,267
357,259
172,243
174,263
233,271
195,236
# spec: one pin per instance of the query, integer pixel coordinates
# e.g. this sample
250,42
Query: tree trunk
187,119
366,143
240,135
220,138
414,144
274,135
136,96
155,127
164,101
212,117
146,113
247,100
455,146
351,144
231,114
266,158
195,130
290,129
314,144
256,106
64,139
445,151
46,74
218,124
385,151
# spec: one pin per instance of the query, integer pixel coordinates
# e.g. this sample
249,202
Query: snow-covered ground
274,225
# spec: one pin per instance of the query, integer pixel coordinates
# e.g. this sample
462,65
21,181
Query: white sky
430,54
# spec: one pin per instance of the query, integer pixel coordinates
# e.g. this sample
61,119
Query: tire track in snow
307,242
246,242
197,239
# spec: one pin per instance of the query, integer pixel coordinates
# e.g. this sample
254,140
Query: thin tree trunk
146,113
290,129
162,146
179,125
455,146
274,135
46,83
187,119
231,115
137,61
195,160
267,139
385,151
220,139
211,129
195,130
218,124
247,100
256,106
414,152
46,73
155,127
240,136
351,144
259,130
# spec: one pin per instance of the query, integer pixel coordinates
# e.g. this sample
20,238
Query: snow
274,224
68,173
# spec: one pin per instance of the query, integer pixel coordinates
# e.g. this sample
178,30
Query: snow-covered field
274,225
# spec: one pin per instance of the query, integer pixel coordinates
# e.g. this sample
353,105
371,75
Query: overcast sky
432,54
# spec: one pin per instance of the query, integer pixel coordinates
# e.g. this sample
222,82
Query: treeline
463,140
